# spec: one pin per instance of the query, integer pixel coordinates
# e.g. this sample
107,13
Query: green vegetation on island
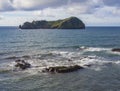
68,23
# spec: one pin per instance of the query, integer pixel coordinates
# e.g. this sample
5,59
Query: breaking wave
87,57
60,58
92,49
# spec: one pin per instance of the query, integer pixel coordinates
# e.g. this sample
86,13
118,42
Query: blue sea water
53,47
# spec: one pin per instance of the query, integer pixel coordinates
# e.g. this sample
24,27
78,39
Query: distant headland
67,23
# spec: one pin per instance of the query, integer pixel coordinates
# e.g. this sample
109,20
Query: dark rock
68,23
12,57
21,64
88,65
116,49
26,56
62,69
70,60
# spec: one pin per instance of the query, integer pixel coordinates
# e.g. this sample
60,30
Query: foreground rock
62,69
68,23
116,49
21,64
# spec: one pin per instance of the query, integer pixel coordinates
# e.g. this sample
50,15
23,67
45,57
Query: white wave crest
64,58
95,49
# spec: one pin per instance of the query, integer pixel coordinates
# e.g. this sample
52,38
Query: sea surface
52,47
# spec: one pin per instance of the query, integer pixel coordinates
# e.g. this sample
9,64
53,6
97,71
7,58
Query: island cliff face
68,23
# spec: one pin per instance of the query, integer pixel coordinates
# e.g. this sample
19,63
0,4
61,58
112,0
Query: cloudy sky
92,12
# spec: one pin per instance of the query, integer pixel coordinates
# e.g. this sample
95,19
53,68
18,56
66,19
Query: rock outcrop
116,49
68,23
62,69
21,64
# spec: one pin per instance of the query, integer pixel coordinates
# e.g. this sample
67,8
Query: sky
91,12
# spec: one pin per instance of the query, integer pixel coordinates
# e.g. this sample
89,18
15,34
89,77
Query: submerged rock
21,64
63,69
116,49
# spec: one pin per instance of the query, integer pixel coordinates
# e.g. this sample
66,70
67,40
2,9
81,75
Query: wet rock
62,69
12,57
21,64
26,56
70,60
116,49
88,65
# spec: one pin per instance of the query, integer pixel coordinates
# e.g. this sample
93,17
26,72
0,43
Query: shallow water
45,48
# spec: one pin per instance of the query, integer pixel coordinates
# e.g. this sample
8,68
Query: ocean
54,47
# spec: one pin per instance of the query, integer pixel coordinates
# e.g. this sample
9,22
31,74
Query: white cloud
45,13
90,11
33,4
30,4
88,7
5,5
43,4
1,17
108,11
112,2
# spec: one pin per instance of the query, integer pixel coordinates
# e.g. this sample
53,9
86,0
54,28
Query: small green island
67,23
